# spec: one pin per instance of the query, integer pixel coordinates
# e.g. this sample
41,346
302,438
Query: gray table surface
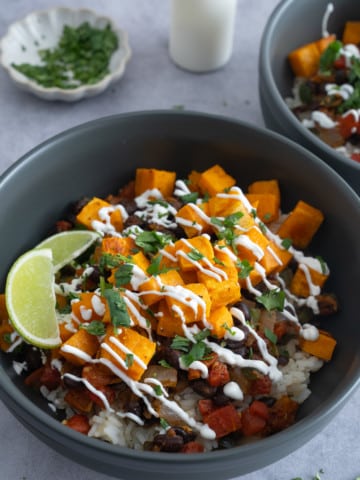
153,82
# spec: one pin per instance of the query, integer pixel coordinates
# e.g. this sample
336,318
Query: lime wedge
30,298
68,245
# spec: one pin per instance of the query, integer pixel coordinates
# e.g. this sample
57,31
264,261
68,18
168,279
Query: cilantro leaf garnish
152,242
272,300
286,243
154,267
94,328
180,343
244,268
129,360
123,274
322,264
227,227
192,351
270,335
158,390
118,311
189,197
195,255
328,57
197,352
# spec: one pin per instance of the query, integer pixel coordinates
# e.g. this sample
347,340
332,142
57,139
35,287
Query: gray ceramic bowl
292,24
97,158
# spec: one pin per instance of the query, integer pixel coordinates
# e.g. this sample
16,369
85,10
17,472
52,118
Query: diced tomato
194,373
348,126
251,424
260,386
259,409
356,157
218,374
107,391
78,422
192,447
50,377
224,420
206,406
340,63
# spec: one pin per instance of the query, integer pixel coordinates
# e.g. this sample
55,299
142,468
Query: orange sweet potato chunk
82,341
322,348
304,61
135,352
150,178
301,224
220,320
351,33
90,213
299,284
215,180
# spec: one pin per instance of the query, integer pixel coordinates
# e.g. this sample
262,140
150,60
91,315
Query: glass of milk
201,33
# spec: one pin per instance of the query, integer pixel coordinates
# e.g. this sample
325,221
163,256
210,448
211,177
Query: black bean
269,401
187,435
168,443
172,357
220,399
203,388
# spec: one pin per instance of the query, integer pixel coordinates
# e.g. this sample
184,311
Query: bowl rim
31,85
271,88
11,395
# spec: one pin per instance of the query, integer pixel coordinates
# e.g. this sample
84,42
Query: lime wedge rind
69,245
30,298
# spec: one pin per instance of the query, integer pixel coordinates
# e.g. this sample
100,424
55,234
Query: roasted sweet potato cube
215,180
301,224
300,285
168,324
80,347
191,251
251,245
221,293
266,206
88,307
304,60
225,260
118,246
151,178
351,33
220,319
150,291
228,205
191,303
193,178
281,256
266,186
128,350
140,260
324,42
194,219
322,348
92,213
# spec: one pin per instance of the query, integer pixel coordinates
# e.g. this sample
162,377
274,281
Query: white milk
201,33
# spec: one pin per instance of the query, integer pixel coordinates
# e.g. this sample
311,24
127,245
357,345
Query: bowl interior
99,157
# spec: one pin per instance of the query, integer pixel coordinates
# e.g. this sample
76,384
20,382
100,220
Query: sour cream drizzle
325,20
